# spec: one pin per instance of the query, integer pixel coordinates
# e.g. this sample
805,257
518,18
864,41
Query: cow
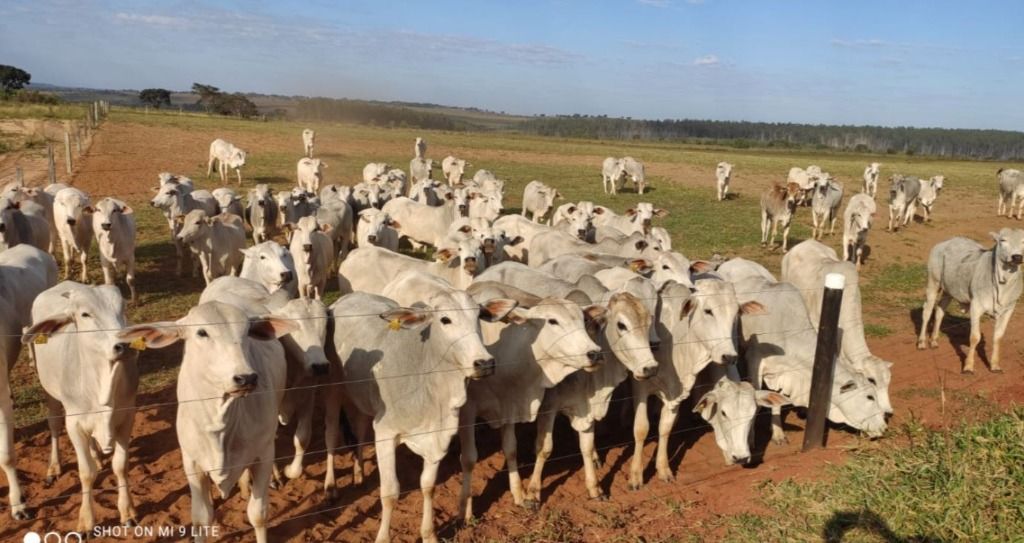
419,148
369,269
828,196
90,372
660,238
613,174
871,179
420,169
113,223
296,204
226,156
636,219
176,199
17,193
227,201
25,271
313,252
261,213
375,227
1010,183
538,200
373,171
309,173
551,244
24,222
394,183
426,191
420,223
421,409
230,386
778,205
486,205
519,227
989,281
337,213
454,169
723,174
540,283
534,350
577,220
806,179
779,353
737,269
903,195
806,267
366,195
585,397
635,171
70,209
930,189
857,217
308,139
271,265
217,241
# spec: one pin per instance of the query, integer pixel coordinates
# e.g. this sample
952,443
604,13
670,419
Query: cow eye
263,257
708,312
85,315
872,398
202,333
553,322
445,320
872,381
664,267
622,326
723,414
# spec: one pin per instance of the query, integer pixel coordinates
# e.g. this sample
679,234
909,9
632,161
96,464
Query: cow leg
468,457
778,434
641,426
931,295
87,469
239,172
785,236
120,465
65,250
256,511
764,228
362,428
997,336
544,444
83,259
427,480
129,278
389,487
775,229
332,406
665,423
940,313
589,469
18,509
604,183
202,499
109,274
510,447
303,430
976,313
55,420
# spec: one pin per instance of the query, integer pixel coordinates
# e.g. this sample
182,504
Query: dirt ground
927,387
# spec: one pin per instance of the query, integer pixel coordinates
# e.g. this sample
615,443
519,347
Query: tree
13,78
208,94
234,104
155,97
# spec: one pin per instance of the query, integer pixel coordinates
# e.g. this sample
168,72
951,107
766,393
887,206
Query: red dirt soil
926,386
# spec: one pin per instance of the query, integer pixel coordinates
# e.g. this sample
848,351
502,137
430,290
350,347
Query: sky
906,63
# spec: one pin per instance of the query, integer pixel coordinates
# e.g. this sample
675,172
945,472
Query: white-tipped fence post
824,362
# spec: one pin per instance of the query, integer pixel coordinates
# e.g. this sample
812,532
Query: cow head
195,226
559,336
627,334
373,223
730,408
73,206
271,264
855,403
310,334
712,312
1009,249
104,213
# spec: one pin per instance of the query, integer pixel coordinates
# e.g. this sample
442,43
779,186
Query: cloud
151,20
859,44
707,60
655,3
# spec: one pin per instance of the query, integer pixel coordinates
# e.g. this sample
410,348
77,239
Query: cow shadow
957,330
866,520
271,180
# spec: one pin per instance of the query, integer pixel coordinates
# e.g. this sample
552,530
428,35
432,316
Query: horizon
923,65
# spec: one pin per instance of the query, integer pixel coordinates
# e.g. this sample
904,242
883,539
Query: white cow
930,189
227,201
261,213
903,196
87,369
420,169
637,219
373,171
376,227
270,265
420,147
70,209
366,195
613,174
369,269
24,222
25,271
308,139
175,200
437,345
871,179
113,223
517,226
857,217
17,193
226,156
538,200
454,169
828,196
217,241
229,391
1011,182
313,252
635,171
723,174
309,173
554,243
420,223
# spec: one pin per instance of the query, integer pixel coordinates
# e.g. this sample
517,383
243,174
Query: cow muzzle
483,368
72,222
489,246
320,369
244,384
595,358
645,372
470,265
371,239
1017,259
307,248
105,226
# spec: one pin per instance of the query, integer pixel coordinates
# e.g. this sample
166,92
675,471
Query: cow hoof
921,345
996,370
966,371
131,523
780,440
934,345
21,514
330,495
50,479
530,505
600,498
634,486
668,478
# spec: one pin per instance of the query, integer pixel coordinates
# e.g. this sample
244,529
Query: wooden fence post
78,138
67,151
824,362
51,166
19,176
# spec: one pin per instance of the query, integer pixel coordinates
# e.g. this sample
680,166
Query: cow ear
599,210
641,245
768,398
326,227
639,265
406,318
125,209
449,196
495,309
996,236
156,335
516,241
38,332
570,209
444,255
270,327
630,212
394,224
180,219
288,227
707,406
700,266
465,229
752,308
660,212
688,308
595,316
517,316
88,209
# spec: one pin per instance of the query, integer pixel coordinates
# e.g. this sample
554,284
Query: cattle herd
513,319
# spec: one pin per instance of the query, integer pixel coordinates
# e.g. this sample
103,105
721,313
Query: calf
229,392
23,222
454,169
930,189
538,200
613,174
308,139
420,169
217,241
366,195
338,215
1010,183
87,369
828,196
261,213
113,223
635,171
70,207
314,255
422,224
176,200
226,156
988,281
637,219
778,205
857,217
373,171
903,195
17,193
310,173
871,179
723,174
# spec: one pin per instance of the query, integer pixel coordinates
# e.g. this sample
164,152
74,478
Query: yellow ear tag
41,339
635,267
395,324
138,344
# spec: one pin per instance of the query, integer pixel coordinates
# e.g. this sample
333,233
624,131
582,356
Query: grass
901,284
963,485
876,330
15,110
